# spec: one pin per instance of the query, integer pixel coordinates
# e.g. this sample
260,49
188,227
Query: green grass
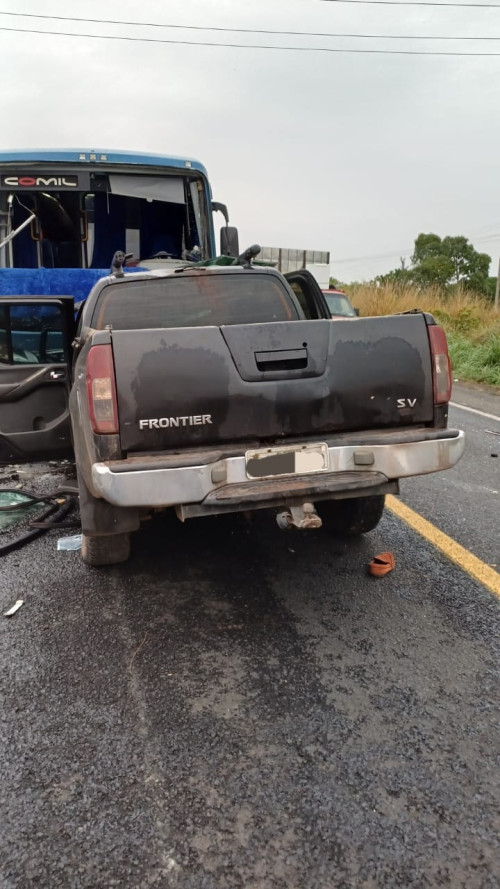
476,361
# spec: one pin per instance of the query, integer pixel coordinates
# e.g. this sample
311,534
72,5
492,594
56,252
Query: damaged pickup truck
217,389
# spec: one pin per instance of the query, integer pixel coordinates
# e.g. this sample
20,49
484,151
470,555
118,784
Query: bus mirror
229,241
220,208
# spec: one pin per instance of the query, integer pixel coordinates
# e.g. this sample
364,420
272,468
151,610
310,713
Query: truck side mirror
229,241
357,312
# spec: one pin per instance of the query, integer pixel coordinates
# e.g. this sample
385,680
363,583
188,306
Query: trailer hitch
302,517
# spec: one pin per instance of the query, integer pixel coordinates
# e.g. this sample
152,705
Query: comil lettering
40,181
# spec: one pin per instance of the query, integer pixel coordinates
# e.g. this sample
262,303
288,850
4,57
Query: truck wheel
354,516
105,550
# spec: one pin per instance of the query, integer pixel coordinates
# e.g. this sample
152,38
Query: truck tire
105,550
353,516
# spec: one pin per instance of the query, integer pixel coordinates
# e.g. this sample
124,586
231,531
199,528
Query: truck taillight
441,364
101,390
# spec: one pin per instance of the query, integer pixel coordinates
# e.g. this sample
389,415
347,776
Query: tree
335,284
397,277
447,261
491,287
401,277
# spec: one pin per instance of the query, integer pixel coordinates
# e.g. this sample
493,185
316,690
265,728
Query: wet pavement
240,708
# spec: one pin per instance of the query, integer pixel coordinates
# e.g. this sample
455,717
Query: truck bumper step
350,468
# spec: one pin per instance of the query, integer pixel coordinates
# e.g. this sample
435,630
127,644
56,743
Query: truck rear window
194,301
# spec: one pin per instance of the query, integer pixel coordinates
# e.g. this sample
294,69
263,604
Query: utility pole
497,290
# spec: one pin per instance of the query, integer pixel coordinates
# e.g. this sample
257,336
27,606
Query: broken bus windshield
158,218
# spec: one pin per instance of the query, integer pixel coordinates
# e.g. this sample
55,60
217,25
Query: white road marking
474,410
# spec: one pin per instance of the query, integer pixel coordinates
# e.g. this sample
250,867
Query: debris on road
15,607
14,505
12,476
138,649
69,544
381,564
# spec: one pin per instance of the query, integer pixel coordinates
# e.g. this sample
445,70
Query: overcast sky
350,153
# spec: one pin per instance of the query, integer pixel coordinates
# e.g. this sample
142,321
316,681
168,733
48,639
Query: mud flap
101,518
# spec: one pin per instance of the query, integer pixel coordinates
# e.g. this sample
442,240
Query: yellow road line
462,557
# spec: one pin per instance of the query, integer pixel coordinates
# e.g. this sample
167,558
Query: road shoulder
477,396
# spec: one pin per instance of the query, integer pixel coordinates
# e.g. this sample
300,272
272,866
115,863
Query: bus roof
94,156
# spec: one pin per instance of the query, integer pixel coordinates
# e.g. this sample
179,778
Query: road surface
244,708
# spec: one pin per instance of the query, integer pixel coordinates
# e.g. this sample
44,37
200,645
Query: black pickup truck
222,389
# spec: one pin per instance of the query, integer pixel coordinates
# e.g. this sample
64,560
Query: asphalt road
240,708
464,502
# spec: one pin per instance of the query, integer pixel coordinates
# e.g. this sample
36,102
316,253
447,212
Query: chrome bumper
161,486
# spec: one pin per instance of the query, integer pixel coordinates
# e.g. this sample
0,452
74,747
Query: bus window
75,229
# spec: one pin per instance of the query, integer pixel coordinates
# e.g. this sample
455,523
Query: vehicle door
35,359
308,293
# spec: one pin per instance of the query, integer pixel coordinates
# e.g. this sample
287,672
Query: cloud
351,153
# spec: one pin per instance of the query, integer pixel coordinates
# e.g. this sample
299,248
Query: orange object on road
381,564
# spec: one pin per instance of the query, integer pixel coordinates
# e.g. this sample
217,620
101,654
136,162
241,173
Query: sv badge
406,402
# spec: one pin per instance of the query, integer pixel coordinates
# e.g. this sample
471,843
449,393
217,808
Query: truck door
35,350
308,293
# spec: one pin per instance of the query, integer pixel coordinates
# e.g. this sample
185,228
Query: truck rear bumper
223,481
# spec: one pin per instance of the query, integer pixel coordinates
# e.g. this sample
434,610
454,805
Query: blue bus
64,214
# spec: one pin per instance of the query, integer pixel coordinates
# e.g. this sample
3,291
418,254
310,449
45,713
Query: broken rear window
195,301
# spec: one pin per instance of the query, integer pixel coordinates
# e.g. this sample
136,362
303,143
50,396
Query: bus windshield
81,215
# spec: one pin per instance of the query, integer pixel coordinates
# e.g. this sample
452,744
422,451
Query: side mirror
217,207
357,311
229,241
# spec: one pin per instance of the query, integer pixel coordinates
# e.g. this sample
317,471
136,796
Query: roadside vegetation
449,278
470,321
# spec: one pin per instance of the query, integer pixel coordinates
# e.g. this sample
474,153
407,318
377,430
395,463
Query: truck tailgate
204,385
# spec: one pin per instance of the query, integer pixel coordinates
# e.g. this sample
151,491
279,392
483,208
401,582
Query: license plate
292,460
